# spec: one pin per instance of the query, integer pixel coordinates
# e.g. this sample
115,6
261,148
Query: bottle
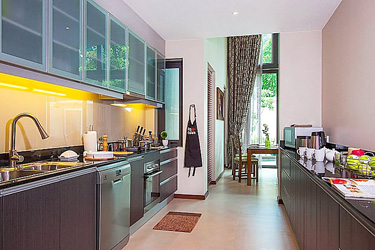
105,143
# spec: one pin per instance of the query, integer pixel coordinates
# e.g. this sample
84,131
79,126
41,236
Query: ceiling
190,19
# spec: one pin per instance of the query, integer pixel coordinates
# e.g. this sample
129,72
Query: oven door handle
153,174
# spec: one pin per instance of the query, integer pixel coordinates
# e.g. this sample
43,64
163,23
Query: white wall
348,68
216,55
194,92
120,10
300,82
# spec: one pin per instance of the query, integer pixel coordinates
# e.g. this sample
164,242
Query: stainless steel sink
50,166
7,175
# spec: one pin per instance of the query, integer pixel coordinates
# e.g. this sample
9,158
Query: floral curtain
243,58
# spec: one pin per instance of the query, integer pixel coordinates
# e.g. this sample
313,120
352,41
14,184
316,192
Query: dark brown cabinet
78,213
137,188
60,215
169,169
313,214
31,218
168,188
353,235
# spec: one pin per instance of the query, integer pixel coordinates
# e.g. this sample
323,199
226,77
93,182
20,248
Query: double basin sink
31,169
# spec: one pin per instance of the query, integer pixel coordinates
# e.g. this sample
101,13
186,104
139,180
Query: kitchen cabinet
168,178
136,70
151,74
118,51
78,212
160,78
23,32
31,218
328,234
353,235
313,213
65,38
137,188
168,188
56,215
169,169
96,53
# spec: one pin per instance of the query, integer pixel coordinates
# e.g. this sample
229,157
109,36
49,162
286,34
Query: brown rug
178,222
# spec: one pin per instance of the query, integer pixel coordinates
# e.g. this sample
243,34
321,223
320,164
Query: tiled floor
234,216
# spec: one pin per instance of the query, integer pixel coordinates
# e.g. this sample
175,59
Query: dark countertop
53,173
364,209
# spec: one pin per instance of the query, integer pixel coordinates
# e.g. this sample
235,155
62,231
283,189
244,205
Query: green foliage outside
269,81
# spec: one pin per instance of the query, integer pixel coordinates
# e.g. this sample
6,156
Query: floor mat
178,222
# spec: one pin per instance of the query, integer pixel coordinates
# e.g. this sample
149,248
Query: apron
193,158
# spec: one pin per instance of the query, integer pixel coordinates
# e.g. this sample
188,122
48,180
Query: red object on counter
358,152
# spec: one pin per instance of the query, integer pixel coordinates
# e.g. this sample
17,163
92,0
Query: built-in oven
151,184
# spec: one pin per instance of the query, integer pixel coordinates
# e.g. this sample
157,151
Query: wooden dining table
257,150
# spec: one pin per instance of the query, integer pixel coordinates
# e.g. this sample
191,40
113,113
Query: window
264,101
170,118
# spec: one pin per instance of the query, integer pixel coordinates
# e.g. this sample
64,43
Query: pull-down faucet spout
14,157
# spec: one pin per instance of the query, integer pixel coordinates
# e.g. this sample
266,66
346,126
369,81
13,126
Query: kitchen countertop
363,209
85,165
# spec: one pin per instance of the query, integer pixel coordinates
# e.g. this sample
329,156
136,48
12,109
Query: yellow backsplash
65,113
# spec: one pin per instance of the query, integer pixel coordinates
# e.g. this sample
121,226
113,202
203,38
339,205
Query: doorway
210,125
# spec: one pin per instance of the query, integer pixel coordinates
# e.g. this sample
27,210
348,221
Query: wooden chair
239,164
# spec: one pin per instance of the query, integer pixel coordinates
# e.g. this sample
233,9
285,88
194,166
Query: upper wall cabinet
95,44
23,39
118,51
151,74
66,38
136,69
160,77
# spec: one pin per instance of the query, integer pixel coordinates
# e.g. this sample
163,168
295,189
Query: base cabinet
353,235
168,188
61,215
313,214
78,213
31,219
136,189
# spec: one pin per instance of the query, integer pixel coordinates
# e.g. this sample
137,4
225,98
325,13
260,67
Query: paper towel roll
90,140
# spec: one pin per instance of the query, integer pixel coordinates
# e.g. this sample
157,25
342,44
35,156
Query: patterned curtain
243,58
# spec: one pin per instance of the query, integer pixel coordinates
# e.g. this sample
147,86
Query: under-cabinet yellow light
119,105
12,86
48,92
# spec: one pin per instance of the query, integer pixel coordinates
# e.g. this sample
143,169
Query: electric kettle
318,140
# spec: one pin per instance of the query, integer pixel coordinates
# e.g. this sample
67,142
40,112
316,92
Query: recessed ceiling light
48,92
67,28
235,13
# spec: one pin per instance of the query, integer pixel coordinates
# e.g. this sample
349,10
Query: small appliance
291,134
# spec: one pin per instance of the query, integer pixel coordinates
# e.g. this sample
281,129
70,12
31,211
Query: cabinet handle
117,181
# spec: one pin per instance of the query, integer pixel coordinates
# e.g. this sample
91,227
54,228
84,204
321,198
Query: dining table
259,149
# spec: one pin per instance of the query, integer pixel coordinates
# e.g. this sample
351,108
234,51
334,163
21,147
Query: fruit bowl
361,166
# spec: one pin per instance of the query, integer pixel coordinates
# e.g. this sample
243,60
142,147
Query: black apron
193,158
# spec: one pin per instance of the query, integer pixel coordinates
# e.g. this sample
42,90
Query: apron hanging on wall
193,158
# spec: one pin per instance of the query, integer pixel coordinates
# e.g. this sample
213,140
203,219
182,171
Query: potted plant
163,136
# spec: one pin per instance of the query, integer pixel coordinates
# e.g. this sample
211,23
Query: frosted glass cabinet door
118,56
23,32
160,78
151,74
137,67
95,45
66,38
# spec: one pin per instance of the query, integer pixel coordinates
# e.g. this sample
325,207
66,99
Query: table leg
249,167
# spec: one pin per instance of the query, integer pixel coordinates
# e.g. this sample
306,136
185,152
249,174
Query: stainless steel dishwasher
113,205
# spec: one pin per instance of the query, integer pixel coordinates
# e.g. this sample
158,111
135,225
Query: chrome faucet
14,157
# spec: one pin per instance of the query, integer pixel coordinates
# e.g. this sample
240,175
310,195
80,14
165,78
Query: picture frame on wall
220,104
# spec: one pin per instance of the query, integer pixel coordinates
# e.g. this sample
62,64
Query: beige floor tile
234,216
